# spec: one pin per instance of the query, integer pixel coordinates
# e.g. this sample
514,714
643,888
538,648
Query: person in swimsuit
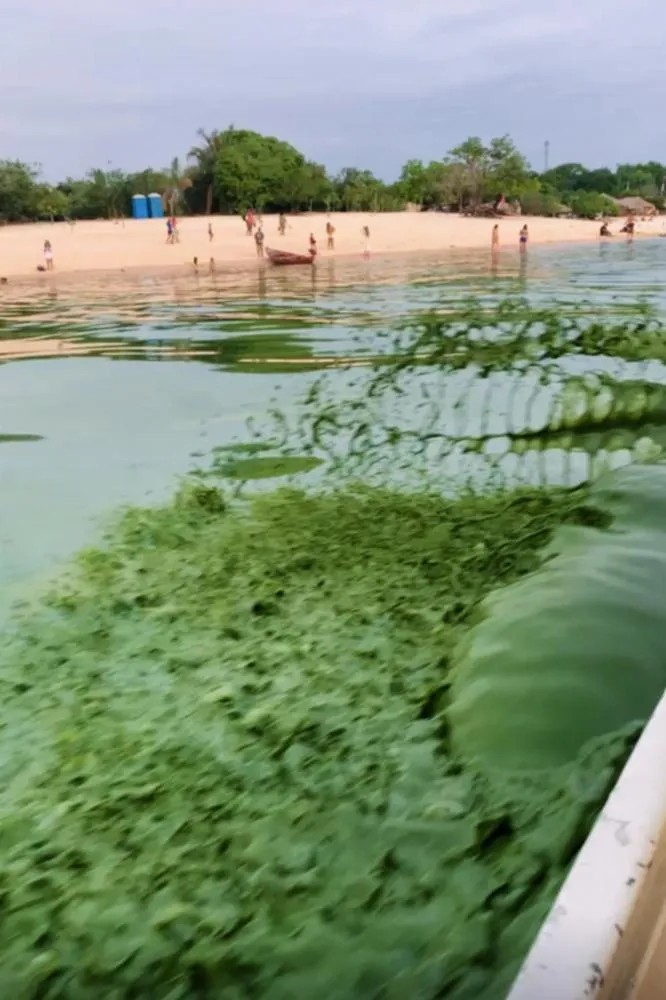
48,255
629,226
366,240
250,222
211,234
282,224
259,241
169,227
604,231
494,239
313,244
524,235
330,235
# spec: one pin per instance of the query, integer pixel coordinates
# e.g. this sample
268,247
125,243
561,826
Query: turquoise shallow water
169,369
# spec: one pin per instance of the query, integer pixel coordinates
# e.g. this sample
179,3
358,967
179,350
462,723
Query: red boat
283,257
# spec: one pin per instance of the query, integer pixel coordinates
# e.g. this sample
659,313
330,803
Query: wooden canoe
285,257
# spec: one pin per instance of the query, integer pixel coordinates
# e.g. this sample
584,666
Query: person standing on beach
282,224
522,239
259,241
494,239
366,240
211,234
330,235
250,222
48,255
174,230
313,245
169,226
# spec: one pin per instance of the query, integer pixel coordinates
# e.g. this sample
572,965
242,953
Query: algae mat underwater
229,766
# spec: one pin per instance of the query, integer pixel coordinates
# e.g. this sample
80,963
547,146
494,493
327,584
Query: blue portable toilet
139,206
155,206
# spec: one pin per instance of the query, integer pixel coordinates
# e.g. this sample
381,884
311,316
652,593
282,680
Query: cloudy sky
350,82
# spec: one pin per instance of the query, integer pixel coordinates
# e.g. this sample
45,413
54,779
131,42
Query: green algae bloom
227,766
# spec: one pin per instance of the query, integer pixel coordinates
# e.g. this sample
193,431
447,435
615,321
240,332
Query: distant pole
546,151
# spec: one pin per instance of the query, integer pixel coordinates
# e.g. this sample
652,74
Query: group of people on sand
254,227
629,228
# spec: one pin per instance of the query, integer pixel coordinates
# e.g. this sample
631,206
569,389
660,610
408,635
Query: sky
368,83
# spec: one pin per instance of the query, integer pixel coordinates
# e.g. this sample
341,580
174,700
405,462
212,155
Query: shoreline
136,250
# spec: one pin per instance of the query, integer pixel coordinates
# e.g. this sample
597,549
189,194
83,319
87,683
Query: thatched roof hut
639,206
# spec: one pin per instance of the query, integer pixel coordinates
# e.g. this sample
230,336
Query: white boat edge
576,953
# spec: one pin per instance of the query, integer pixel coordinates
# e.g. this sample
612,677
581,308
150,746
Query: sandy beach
108,246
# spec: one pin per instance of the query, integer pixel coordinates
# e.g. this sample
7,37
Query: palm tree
179,181
205,156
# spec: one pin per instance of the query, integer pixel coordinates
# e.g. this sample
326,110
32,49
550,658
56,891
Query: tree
178,181
101,194
508,171
566,177
149,181
310,187
482,172
591,204
203,175
423,184
360,191
472,159
266,173
18,183
542,203
50,203
645,179
414,183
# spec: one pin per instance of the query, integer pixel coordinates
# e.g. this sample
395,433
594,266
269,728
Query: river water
113,388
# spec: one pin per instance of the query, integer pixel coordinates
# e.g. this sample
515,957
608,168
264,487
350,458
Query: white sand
108,246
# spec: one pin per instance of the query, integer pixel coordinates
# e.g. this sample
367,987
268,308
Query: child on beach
366,240
259,241
48,255
169,228
211,234
250,222
494,239
282,224
330,235
313,244
522,239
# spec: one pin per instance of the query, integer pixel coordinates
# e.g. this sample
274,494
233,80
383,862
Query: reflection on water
112,386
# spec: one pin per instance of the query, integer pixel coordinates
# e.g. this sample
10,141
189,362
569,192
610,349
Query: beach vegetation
232,169
592,205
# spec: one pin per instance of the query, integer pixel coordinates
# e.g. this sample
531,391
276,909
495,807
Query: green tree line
231,170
